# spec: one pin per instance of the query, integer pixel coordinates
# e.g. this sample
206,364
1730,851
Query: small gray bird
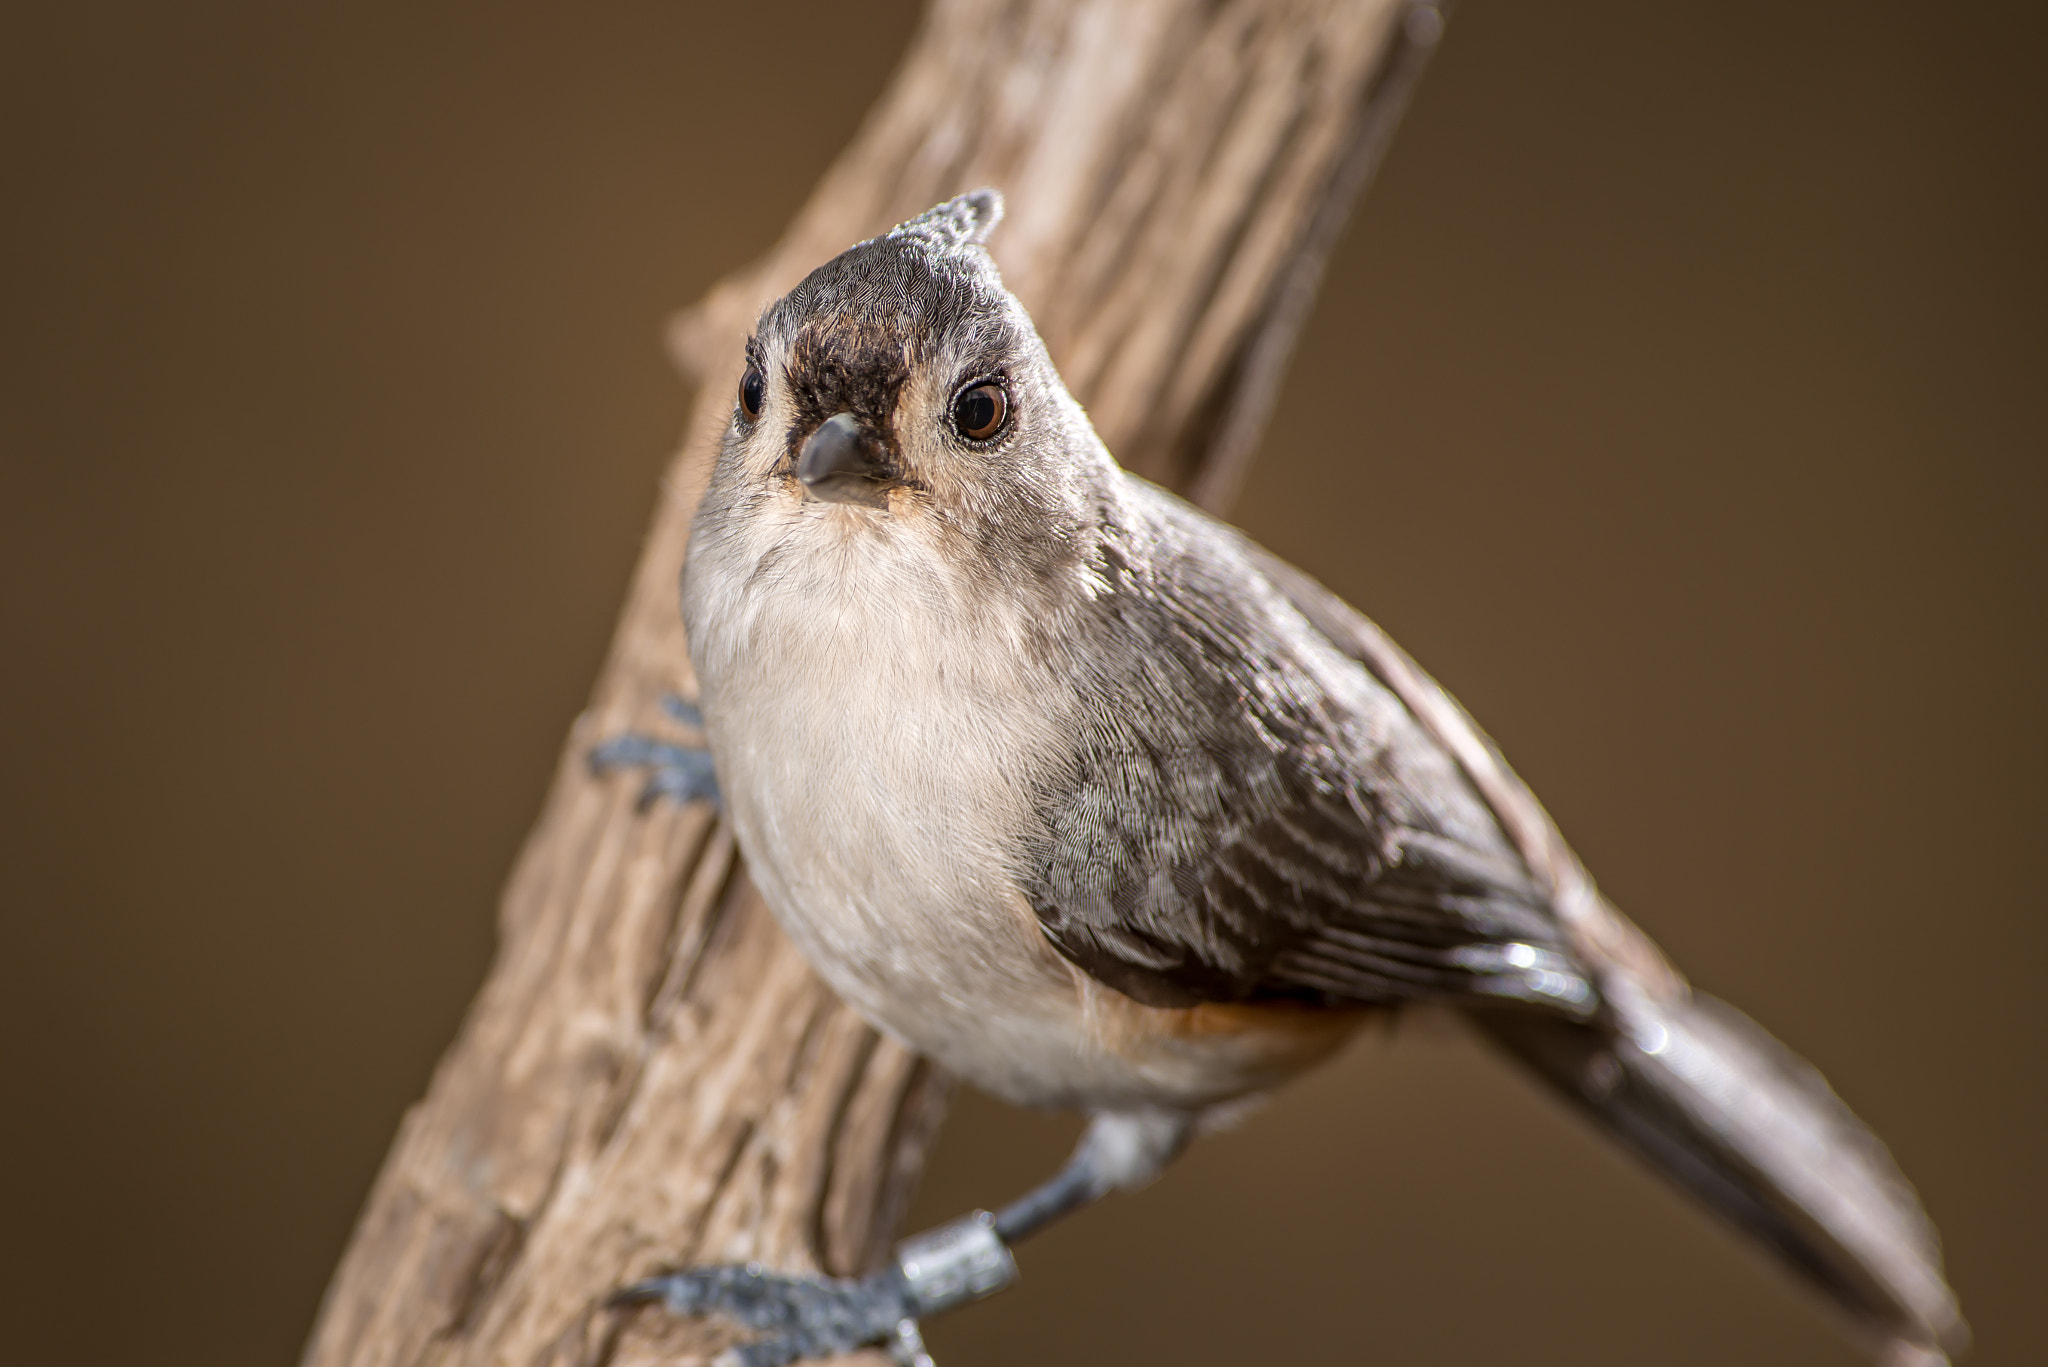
1079,792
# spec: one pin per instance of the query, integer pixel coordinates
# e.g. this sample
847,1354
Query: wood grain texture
650,1075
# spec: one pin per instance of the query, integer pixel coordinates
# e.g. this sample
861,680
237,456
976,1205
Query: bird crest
963,221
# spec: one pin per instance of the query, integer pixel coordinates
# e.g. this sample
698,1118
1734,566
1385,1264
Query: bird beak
842,462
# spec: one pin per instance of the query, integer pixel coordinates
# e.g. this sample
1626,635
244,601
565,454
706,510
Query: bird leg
964,1260
681,772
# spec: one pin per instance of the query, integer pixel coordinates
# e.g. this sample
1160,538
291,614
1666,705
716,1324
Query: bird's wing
1254,811
1599,935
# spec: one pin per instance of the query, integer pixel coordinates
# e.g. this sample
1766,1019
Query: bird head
902,379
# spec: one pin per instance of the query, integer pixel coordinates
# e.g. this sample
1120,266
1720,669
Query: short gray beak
843,463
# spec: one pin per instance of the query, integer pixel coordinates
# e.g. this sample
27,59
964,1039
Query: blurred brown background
1676,397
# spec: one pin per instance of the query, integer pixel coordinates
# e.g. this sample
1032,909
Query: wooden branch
651,1076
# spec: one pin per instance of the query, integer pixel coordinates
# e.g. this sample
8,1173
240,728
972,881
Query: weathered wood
650,1075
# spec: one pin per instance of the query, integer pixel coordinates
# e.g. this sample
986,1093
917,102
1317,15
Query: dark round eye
979,410
752,389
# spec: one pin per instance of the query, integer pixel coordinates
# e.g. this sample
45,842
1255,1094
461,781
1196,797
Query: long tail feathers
1700,1092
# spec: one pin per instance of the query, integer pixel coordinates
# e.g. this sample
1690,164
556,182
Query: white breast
878,727
876,755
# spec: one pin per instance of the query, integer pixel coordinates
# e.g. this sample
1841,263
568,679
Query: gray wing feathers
1250,815
1604,938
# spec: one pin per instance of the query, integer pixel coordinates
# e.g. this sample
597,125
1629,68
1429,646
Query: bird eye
752,389
978,410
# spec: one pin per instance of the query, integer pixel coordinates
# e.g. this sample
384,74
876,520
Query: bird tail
1703,1095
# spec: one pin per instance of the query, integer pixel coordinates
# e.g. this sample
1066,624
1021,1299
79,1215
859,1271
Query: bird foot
816,1317
681,772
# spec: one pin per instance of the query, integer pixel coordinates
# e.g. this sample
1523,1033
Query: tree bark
651,1076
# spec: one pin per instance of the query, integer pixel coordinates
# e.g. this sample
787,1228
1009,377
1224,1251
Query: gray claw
673,771
811,1317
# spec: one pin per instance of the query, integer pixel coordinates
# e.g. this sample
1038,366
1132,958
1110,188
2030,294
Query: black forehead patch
841,365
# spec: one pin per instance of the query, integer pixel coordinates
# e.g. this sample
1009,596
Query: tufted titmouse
1084,795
